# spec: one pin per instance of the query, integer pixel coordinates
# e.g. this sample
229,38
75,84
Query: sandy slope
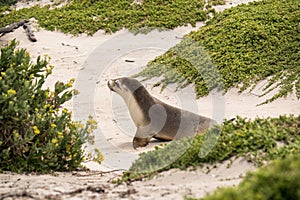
173,184
93,61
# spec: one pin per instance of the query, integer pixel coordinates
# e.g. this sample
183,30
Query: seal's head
124,86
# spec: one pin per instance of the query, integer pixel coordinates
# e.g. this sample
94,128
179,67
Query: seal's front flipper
140,142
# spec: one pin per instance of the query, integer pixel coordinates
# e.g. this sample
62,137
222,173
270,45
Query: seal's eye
117,83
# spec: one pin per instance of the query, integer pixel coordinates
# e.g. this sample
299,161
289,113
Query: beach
92,61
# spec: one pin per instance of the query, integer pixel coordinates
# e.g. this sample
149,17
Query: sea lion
154,118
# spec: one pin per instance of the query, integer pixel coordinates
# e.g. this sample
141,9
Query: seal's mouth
111,84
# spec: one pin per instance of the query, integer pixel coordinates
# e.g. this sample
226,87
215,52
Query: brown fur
159,120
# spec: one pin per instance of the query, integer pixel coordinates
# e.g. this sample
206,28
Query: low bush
259,140
238,48
36,133
278,181
89,16
5,5
8,2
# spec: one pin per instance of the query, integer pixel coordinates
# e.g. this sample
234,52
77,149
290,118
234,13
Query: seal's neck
143,99
139,102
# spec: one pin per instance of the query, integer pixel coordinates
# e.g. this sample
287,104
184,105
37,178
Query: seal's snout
111,84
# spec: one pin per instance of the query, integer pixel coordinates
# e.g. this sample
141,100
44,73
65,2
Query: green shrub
247,44
89,16
257,140
5,5
36,134
216,2
278,181
8,2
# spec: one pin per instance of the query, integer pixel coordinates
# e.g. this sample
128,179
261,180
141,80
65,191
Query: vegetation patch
245,44
36,134
89,16
4,5
279,180
8,2
259,140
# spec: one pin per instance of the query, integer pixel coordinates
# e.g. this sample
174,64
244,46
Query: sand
92,61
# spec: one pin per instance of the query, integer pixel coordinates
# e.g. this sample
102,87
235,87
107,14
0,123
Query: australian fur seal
154,118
